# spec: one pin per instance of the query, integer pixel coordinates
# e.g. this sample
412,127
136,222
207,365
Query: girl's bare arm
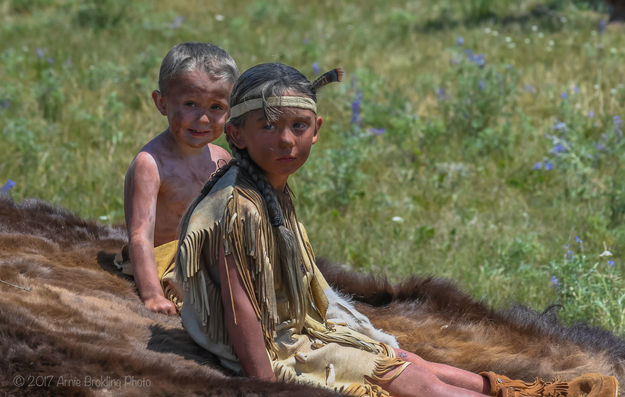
244,327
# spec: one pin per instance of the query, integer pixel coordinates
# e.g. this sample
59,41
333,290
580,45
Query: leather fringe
384,365
364,390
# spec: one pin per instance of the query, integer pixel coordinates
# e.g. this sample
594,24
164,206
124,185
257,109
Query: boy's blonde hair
185,57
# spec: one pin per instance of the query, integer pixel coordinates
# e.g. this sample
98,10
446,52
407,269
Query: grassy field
477,140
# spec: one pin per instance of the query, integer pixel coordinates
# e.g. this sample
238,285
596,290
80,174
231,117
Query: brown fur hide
81,329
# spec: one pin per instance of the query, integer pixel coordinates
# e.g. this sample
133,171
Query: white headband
273,101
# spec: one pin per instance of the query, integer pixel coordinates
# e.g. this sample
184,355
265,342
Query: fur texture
70,324
434,319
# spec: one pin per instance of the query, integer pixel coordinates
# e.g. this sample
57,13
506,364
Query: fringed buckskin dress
288,298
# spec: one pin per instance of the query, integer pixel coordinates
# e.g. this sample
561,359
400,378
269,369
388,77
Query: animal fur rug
70,324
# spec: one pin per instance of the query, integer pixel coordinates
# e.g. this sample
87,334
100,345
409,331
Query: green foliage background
437,174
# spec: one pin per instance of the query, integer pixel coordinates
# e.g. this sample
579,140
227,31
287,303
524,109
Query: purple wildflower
442,96
548,166
306,40
39,52
602,25
564,95
479,60
600,147
50,60
5,104
356,109
481,84
530,88
7,186
576,89
315,68
377,131
538,166
558,149
460,40
617,125
611,263
559,126
177,22
590,114
555,283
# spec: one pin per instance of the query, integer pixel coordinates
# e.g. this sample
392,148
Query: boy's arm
140,193
243,326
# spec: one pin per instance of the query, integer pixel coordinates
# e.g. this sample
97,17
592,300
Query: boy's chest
186,179
182,184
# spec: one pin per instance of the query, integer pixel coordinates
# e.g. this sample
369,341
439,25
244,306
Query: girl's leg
448,374
418,380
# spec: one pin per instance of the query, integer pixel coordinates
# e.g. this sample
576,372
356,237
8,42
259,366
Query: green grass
448,188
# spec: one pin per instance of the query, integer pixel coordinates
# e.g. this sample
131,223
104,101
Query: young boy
194,82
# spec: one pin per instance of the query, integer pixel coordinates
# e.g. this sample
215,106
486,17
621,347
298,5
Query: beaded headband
273,101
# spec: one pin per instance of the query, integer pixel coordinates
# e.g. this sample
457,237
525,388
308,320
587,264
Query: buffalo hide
71,324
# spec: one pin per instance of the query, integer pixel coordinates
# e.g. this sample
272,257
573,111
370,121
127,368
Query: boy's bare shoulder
148,157
156,146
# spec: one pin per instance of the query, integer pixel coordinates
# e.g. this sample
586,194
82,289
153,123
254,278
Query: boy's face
196,106
280,148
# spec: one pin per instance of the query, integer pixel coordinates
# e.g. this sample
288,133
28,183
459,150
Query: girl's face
278,148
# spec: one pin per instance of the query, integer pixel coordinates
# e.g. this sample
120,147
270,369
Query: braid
287,242
245,162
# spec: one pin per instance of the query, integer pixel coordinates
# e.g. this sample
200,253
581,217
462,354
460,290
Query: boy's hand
160,304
